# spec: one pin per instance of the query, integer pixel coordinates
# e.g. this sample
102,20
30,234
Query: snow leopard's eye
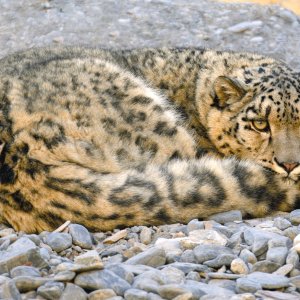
261,125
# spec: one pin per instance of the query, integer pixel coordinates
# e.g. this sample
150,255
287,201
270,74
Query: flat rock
247,285
135,294
146,235
25,271
28,283
21,252
238,266
81,236
171,291
173,275
221,260
116,237
265,266
202,236
78,267
284,270
102,294
282,223
64,276
51,290
194,225
153,257
275,295
73,292
88,258
121,271
248,257
188,267
269,281
208,252
225,217
105,279
59,241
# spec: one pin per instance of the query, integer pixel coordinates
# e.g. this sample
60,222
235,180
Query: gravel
223,258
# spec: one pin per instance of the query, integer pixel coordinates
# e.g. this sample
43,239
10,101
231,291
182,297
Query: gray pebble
277,255
121,271
104,279
224,283
146,235
208,252
34,237
28,283
269,281
51,290
248,257
64,276
193,276
295,217
188,256
265,266
246,285
221,260
135,294
146,284
295,281
225,217
282,223
81,236
58,241
25,271
291,232
23,251
73,292
244,26
194,225
173,275
293,258
188,267
8,290
153,257
170,291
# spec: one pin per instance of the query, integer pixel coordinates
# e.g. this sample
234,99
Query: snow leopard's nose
287,166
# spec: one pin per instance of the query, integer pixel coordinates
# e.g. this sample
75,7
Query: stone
208,252
295,281
146,235
238,266
219,275
295,217
80,236
265,266
170,246
51,290
221,260
88,258
102,294
248,257
121,271
185,296
277,255
136,269
153,257
104,279
121,234
135,294
8,290
224,283
146,284
194,225
245,26
293,258
269,281
28,283
291,232
246,285
225,217
173,275
58,241
170,291
78,267
275,295
188,267
64,276
73,292
188,256
25,271
282,223
284,270
193,276
21,252
202,236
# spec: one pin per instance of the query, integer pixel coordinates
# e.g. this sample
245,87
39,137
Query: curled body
144,137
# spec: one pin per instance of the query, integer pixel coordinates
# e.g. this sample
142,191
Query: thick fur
119,138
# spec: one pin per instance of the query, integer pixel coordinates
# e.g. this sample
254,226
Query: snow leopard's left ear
227,91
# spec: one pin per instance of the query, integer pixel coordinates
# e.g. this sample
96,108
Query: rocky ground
224,258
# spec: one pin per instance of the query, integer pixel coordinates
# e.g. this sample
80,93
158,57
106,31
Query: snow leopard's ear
226,91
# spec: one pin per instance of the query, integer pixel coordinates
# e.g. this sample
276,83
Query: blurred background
271,27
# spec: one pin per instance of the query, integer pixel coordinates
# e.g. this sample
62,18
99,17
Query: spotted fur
119,138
